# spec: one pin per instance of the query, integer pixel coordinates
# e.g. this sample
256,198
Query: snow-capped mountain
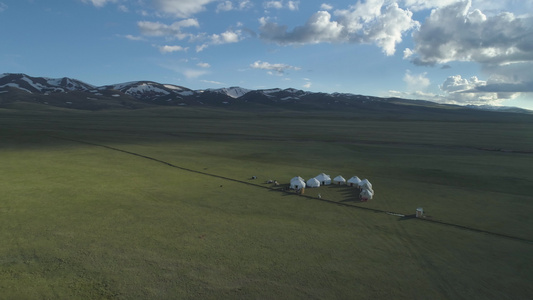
72,93
233,92
42,85
149,90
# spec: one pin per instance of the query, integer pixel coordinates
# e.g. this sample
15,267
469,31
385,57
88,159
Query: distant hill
72,93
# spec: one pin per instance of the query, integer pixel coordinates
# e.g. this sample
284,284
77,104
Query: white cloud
417,5
244,4
416,82
279,69
201,48
3,6
457,33
173,30
465,91
368,22
229,5
326,6
290,5
191,73
170,49
134,38
99,3
501,43
458,90
307,85
273,4
203,65
181,8
226,37
224,6
293,5
212,82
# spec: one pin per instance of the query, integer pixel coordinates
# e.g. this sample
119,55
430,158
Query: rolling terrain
110,202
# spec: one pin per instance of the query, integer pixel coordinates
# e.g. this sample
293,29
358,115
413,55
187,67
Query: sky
449,51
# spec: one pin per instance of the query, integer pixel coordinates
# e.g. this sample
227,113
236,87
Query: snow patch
172,87
16,86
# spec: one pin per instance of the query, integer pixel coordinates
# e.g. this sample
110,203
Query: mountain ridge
144,93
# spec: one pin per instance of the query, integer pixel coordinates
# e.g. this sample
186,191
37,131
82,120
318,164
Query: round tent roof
297,184
355,180
313,182
366,194
324,179
339,179
365,183
297,178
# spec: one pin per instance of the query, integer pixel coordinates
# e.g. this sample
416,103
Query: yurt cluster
367,193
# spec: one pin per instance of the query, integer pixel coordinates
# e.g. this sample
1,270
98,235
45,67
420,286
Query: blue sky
449,51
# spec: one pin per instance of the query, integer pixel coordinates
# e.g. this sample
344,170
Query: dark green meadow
91,209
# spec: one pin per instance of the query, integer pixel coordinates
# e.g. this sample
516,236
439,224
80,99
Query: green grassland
83,217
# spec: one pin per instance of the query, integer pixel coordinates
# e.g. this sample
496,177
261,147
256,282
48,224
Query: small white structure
354,181
324,179
419,212
297,183
313,182
297,178
365,184
366,195
339,180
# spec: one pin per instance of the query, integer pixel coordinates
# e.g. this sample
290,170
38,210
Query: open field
81,219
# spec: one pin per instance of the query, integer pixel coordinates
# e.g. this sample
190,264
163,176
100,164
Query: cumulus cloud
291,5
417,5
468,91
326,6
368,22
227,37
173,30
229,5
457,33
273,4
170,49
502,44
279,69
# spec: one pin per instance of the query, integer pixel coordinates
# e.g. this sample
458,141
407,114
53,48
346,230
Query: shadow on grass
407,217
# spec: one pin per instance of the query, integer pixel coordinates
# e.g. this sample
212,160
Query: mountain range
73,93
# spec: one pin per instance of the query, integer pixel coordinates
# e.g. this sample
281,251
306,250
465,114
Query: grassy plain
81,221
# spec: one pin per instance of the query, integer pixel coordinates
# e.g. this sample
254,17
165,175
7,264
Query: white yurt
366,195
298,178
297,184
313,182
354,181
324,179
365,184
339,180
